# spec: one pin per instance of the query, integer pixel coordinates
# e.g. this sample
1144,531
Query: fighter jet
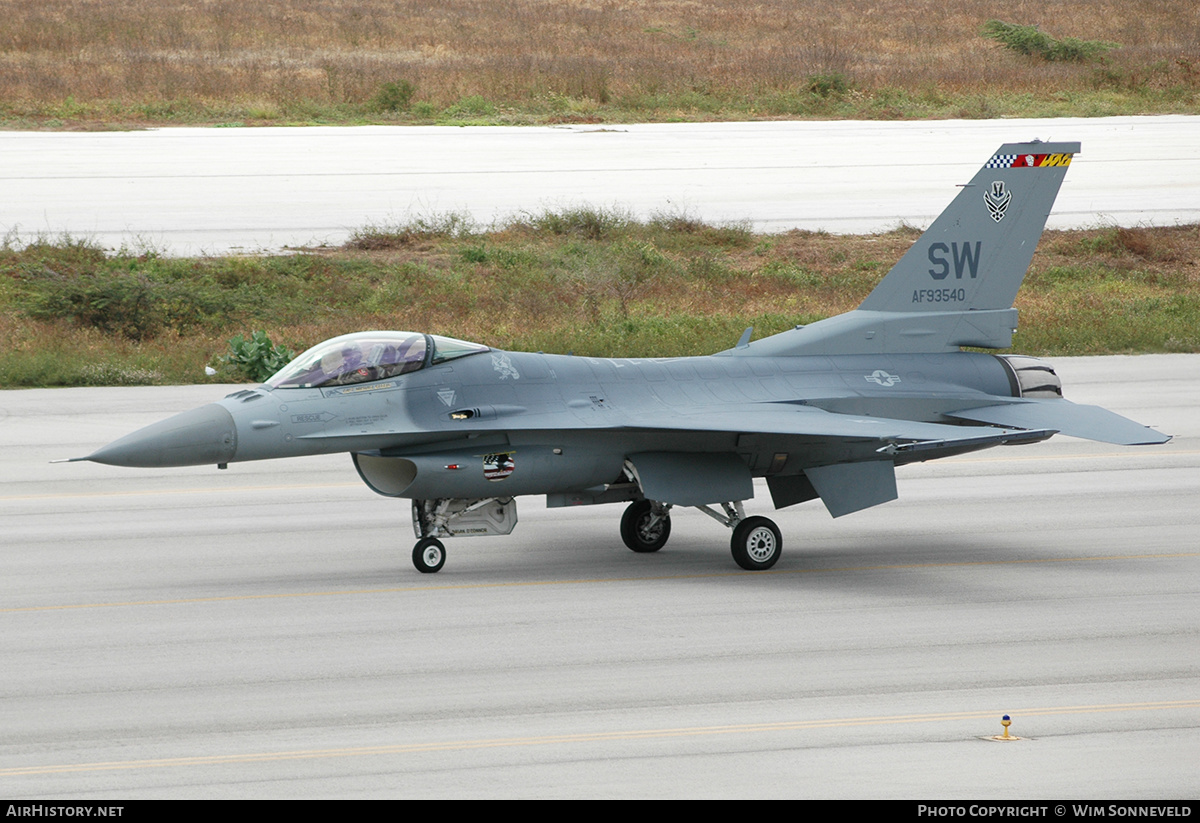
827,410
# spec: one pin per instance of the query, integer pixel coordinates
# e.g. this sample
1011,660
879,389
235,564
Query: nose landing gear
429,555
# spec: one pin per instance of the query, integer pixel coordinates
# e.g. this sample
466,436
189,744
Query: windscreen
354,358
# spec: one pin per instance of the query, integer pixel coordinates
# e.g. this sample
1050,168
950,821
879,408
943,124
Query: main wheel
756,544
429,555
637,530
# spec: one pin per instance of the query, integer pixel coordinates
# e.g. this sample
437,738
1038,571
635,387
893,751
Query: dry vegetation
591,282
127,61
595,283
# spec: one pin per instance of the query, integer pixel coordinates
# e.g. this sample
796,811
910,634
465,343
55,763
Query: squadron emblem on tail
997,200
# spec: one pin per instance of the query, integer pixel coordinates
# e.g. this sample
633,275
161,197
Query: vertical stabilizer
976,253
956,285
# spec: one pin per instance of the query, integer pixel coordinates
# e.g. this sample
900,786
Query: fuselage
564,423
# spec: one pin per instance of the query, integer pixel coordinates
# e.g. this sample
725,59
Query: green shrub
1036,43
377,236
584,221
394,96
134,304
424,110
829,85
256,358
474,254
471,107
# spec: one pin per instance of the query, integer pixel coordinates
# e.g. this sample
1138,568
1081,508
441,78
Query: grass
130,63
592,282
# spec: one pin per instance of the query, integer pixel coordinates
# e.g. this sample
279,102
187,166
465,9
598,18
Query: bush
256,358
133,304
394,96
378,236
1032,41
828,85
584,221
471,107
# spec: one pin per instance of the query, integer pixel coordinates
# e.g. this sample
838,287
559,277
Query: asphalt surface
193,191
260,632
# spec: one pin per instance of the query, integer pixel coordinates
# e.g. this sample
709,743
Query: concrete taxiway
193,191
260,632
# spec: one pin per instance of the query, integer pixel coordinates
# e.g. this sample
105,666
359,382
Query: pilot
354,368
332,364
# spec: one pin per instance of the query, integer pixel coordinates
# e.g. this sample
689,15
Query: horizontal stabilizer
1088,422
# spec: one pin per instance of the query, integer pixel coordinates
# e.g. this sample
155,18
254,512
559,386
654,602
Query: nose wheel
429,555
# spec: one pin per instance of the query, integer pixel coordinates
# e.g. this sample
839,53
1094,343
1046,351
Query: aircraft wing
770,419
809,421
848,460
1088,422
855,454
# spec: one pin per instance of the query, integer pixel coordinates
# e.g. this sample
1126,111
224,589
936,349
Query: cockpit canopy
370,355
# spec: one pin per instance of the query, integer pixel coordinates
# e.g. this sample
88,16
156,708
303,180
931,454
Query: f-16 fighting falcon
827,410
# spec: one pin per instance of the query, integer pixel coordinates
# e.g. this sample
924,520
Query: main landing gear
646,525
756,544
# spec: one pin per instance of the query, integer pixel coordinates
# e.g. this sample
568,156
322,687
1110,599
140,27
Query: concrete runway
260,632
193,191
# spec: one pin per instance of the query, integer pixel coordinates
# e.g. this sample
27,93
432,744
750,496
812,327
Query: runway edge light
1005,721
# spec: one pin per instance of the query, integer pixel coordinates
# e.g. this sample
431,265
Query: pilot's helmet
332,362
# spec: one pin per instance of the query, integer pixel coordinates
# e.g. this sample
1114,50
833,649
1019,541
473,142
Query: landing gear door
692,479
464,518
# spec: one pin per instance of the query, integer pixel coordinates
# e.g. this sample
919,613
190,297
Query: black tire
756,544
634,529
429,555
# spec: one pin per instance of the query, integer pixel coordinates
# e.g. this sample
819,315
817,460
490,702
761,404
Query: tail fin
955,286
976,253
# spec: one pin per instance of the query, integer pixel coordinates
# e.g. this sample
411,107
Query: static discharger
1005,721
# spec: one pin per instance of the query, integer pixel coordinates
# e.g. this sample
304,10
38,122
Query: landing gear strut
455,517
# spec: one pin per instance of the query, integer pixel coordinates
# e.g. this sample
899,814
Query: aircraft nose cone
203,436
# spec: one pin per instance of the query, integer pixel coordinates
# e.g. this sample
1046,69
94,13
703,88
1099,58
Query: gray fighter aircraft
827,410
